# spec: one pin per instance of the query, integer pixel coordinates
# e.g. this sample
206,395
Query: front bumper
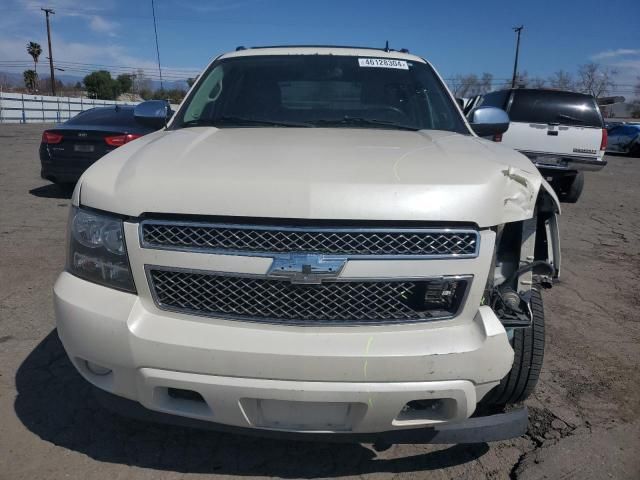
480,429
348,380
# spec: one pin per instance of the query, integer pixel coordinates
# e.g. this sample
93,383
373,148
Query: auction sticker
383,63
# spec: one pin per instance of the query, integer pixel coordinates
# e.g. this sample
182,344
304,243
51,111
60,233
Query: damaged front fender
522,193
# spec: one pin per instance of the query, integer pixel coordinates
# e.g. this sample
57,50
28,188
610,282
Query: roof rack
385,49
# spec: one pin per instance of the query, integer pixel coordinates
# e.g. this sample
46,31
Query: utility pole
48,11
155,30
515,64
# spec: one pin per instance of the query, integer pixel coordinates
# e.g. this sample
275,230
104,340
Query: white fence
22,108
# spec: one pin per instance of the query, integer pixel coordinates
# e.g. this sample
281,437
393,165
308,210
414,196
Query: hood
315,173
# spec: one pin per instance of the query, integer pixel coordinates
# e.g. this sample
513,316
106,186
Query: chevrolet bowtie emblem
306,268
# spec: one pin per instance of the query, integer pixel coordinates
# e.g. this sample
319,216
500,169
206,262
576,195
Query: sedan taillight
51,137
119,140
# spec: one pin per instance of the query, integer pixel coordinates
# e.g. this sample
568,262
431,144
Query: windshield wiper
348,120
569,117
233,120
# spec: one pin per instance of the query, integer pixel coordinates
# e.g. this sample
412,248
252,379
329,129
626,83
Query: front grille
226,238
332,303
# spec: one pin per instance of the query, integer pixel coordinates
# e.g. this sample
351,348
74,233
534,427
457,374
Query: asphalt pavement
584,415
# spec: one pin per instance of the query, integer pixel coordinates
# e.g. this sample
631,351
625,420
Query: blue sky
458,37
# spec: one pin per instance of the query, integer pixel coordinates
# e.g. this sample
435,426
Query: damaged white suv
317,244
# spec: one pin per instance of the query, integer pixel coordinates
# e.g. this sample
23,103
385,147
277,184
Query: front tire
528,347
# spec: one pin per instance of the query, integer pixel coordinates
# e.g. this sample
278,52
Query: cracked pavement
583,415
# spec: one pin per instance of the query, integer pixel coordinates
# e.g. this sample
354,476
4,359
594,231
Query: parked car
561,132
67,150
318,244
624,138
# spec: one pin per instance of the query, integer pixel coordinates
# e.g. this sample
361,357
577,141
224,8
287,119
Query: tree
45,85
537,82
522,80
30,79
100,85
5,81
34,49
486,82
562,80
192,80
595,79
125,82
465,86
141,84
635,105
174,95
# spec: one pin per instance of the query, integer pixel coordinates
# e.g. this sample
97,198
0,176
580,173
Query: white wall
22,108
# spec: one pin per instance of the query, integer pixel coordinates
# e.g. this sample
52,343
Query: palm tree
30,79
34,49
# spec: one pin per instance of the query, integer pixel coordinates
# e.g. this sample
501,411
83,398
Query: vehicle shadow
53,190
56,404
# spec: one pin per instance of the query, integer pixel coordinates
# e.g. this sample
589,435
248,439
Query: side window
206,95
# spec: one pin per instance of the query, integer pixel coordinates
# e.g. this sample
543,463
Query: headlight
97,250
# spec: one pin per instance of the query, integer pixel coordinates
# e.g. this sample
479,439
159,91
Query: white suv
561,132
317,244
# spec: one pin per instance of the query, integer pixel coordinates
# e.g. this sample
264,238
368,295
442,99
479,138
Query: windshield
320,91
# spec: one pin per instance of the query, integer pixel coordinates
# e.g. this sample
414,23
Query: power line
131,66
185,72
116,69
24,63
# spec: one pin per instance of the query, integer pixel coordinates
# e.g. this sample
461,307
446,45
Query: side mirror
152,113
488,121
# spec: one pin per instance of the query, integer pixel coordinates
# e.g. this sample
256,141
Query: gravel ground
584,414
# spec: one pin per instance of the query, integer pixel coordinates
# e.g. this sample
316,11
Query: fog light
428,410
97,369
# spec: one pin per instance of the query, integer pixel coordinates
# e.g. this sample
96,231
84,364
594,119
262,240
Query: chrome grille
228,238
279,301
